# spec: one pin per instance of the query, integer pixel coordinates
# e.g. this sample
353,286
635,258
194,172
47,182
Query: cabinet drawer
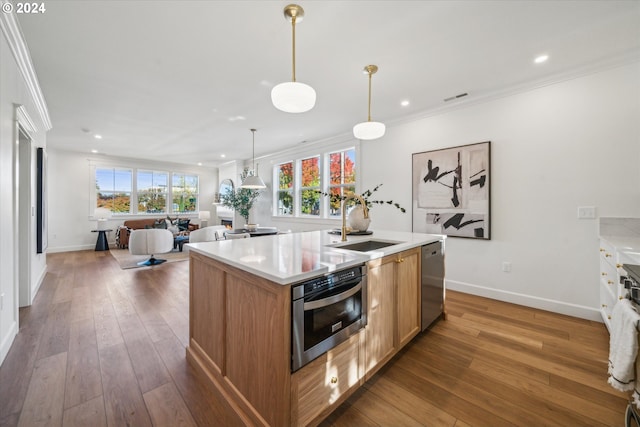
607,253
321,383
609,275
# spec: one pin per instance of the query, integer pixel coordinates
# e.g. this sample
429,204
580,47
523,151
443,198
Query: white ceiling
183,81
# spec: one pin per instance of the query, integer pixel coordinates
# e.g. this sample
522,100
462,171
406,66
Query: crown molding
24,119
13,33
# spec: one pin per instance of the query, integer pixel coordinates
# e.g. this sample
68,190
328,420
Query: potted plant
240,200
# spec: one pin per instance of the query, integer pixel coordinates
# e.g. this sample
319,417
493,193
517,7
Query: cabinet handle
399,260
334,380
607,255
601,250
604,305
603,274
618,265
609,317
610,282
620,298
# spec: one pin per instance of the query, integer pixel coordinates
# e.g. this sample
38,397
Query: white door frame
22,196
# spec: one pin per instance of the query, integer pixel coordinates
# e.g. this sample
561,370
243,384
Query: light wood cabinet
320,386
408,295
394,307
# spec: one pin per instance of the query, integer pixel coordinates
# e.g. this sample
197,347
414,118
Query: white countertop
292,257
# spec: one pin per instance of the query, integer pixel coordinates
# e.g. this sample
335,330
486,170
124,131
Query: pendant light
293,96
369,130
252,180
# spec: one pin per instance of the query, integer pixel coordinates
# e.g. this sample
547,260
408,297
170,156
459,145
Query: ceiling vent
451,98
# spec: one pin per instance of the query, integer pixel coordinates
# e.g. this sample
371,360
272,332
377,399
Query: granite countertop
292,257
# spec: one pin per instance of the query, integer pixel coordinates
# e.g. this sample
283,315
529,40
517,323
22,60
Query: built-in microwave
326,311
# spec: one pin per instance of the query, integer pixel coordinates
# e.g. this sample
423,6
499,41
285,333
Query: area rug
126,260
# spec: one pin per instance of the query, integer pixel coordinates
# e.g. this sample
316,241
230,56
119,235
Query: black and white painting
451,191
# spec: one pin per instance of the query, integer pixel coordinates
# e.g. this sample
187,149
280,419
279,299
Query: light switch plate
586,212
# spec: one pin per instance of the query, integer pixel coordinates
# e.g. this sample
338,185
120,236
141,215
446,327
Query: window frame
297,188
134,212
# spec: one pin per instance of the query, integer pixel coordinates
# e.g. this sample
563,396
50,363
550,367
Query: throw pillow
160,223
183,224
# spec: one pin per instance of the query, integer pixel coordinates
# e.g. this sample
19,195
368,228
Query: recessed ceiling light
199,163
96,136
404,103
223,155
540,59
236,118
94,151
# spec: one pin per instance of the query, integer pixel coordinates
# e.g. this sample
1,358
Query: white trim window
301,182
113,189
184,190
342,177
283,175
153,188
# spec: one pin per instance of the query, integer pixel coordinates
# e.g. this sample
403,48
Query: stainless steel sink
365,246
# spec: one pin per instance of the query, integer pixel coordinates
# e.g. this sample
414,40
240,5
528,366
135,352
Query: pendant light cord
253,150
369,114
293,45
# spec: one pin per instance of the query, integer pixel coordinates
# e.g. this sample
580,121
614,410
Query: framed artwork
41,201
451,191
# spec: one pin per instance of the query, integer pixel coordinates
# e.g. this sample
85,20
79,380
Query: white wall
15,91
575,143
569,144
70,180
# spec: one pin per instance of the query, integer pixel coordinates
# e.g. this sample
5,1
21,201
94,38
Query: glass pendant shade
293,97
369,130
253,182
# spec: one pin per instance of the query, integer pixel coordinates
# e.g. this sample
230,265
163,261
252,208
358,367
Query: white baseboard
51,250
36,288
7,340
568,309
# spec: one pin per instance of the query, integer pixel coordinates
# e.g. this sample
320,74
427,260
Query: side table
102,244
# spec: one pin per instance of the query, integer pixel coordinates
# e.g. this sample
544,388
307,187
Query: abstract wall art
451,191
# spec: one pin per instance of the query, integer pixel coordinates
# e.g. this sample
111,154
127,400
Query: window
132,191
113,189
285,189
184,189
152,191
310,186
342,177
301,182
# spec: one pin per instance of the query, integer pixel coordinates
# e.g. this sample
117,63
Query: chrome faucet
365,210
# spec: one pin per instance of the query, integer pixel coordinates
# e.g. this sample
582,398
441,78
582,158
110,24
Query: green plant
335,198
242,199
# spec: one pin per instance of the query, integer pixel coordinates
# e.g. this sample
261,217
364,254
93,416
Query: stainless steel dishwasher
432,283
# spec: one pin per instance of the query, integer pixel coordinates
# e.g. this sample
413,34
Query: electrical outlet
586,212
506,267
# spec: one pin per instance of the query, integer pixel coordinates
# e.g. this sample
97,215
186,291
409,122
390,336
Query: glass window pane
349,169
104,179
335,168
285,203
285,176
145,181
122,180
310,172
310,202
152,203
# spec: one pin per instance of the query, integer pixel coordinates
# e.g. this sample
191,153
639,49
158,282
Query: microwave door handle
332,299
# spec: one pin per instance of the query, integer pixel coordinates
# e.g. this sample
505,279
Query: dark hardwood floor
104,346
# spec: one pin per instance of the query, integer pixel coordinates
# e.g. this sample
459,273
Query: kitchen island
240,320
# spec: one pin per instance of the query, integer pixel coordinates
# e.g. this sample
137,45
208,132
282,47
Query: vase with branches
240,200
356,216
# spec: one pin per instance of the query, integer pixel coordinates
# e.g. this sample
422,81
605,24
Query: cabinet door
325,382
408,295
379,337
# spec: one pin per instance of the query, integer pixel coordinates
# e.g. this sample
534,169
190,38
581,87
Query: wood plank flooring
102,346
